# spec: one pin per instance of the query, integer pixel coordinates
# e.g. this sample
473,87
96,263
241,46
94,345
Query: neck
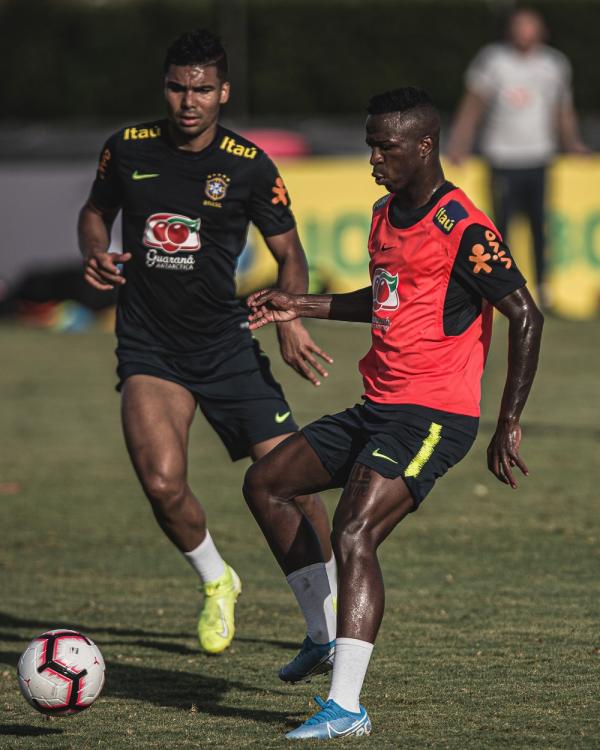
194,143
419,193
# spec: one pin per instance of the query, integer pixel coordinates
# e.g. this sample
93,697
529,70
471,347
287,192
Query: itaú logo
172,233
385,290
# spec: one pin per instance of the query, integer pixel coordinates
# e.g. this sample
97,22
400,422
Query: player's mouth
188,120
379,178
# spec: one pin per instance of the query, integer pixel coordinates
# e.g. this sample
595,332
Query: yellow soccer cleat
216,626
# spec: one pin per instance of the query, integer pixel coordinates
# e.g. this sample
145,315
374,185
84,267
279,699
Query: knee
352,539
165,491
255,485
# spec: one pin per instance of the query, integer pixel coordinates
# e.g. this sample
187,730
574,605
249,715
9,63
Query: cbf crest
216,189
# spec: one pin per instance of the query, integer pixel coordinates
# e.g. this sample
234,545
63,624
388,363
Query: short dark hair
411,104
200,47
399,100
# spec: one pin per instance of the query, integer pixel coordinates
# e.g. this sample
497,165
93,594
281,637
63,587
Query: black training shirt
185,221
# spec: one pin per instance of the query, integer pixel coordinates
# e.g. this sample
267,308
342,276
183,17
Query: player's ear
425,146
225,90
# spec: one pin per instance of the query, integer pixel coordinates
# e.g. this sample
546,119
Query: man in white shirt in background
519,92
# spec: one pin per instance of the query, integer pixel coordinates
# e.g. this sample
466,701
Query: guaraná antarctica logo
385,290
171,234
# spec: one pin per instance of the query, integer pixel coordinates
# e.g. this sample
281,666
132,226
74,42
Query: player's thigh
258,450
156,415
290,469
371,505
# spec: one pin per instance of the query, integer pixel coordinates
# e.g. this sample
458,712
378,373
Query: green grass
490,638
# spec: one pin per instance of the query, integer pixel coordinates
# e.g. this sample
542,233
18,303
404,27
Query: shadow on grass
26,730
183,690
180,690
38,626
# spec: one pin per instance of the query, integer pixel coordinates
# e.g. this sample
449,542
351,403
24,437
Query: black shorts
396,440
238,395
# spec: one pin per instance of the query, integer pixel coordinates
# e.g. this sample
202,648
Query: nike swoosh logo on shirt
378,454
279,418
144,176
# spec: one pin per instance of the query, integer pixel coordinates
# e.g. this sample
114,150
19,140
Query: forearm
93,231
569,129
468,117
354,306
524,338
292,274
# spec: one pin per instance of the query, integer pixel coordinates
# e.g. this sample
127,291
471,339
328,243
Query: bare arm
273,305
93,231
298,349
568,129
524,337
462,136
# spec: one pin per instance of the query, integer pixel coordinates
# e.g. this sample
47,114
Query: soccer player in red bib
438,268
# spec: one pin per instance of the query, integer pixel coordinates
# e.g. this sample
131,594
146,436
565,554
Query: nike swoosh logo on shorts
141,176
377,454
279,418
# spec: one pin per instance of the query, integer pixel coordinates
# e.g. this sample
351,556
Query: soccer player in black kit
188,189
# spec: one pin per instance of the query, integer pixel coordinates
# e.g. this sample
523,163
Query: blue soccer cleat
312,659
331,722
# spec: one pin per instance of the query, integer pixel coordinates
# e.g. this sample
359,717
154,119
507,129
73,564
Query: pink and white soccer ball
61,672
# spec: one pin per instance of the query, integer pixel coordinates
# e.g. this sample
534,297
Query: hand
579,148
100,270
503,452
270,306
297,349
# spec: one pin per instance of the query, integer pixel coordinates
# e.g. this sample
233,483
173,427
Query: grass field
490,638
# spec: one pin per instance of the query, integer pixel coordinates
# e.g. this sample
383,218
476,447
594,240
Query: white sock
311,588
349,669
206,560
331,569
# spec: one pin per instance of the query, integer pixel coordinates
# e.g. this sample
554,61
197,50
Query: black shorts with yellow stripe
395,440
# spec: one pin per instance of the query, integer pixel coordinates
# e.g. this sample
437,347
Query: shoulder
238,148
132,136
381,202
144,131
488,55
456,213
555,57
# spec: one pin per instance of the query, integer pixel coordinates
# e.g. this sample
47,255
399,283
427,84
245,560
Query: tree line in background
297,58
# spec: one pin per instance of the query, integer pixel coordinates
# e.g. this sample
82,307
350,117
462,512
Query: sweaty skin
157,414
405,158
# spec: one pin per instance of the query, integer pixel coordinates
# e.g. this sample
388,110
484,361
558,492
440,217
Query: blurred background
302,72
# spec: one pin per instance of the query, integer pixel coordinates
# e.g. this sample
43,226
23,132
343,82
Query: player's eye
177,88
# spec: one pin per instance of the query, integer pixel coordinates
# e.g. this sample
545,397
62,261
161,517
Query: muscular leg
311,505
156,416
369,509
289,470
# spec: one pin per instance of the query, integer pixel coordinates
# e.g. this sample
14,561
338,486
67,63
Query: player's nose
376,157
187,98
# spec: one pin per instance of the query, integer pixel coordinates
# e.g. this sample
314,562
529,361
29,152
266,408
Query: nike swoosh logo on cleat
225,631
351,729
378,454
142,176
279,418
